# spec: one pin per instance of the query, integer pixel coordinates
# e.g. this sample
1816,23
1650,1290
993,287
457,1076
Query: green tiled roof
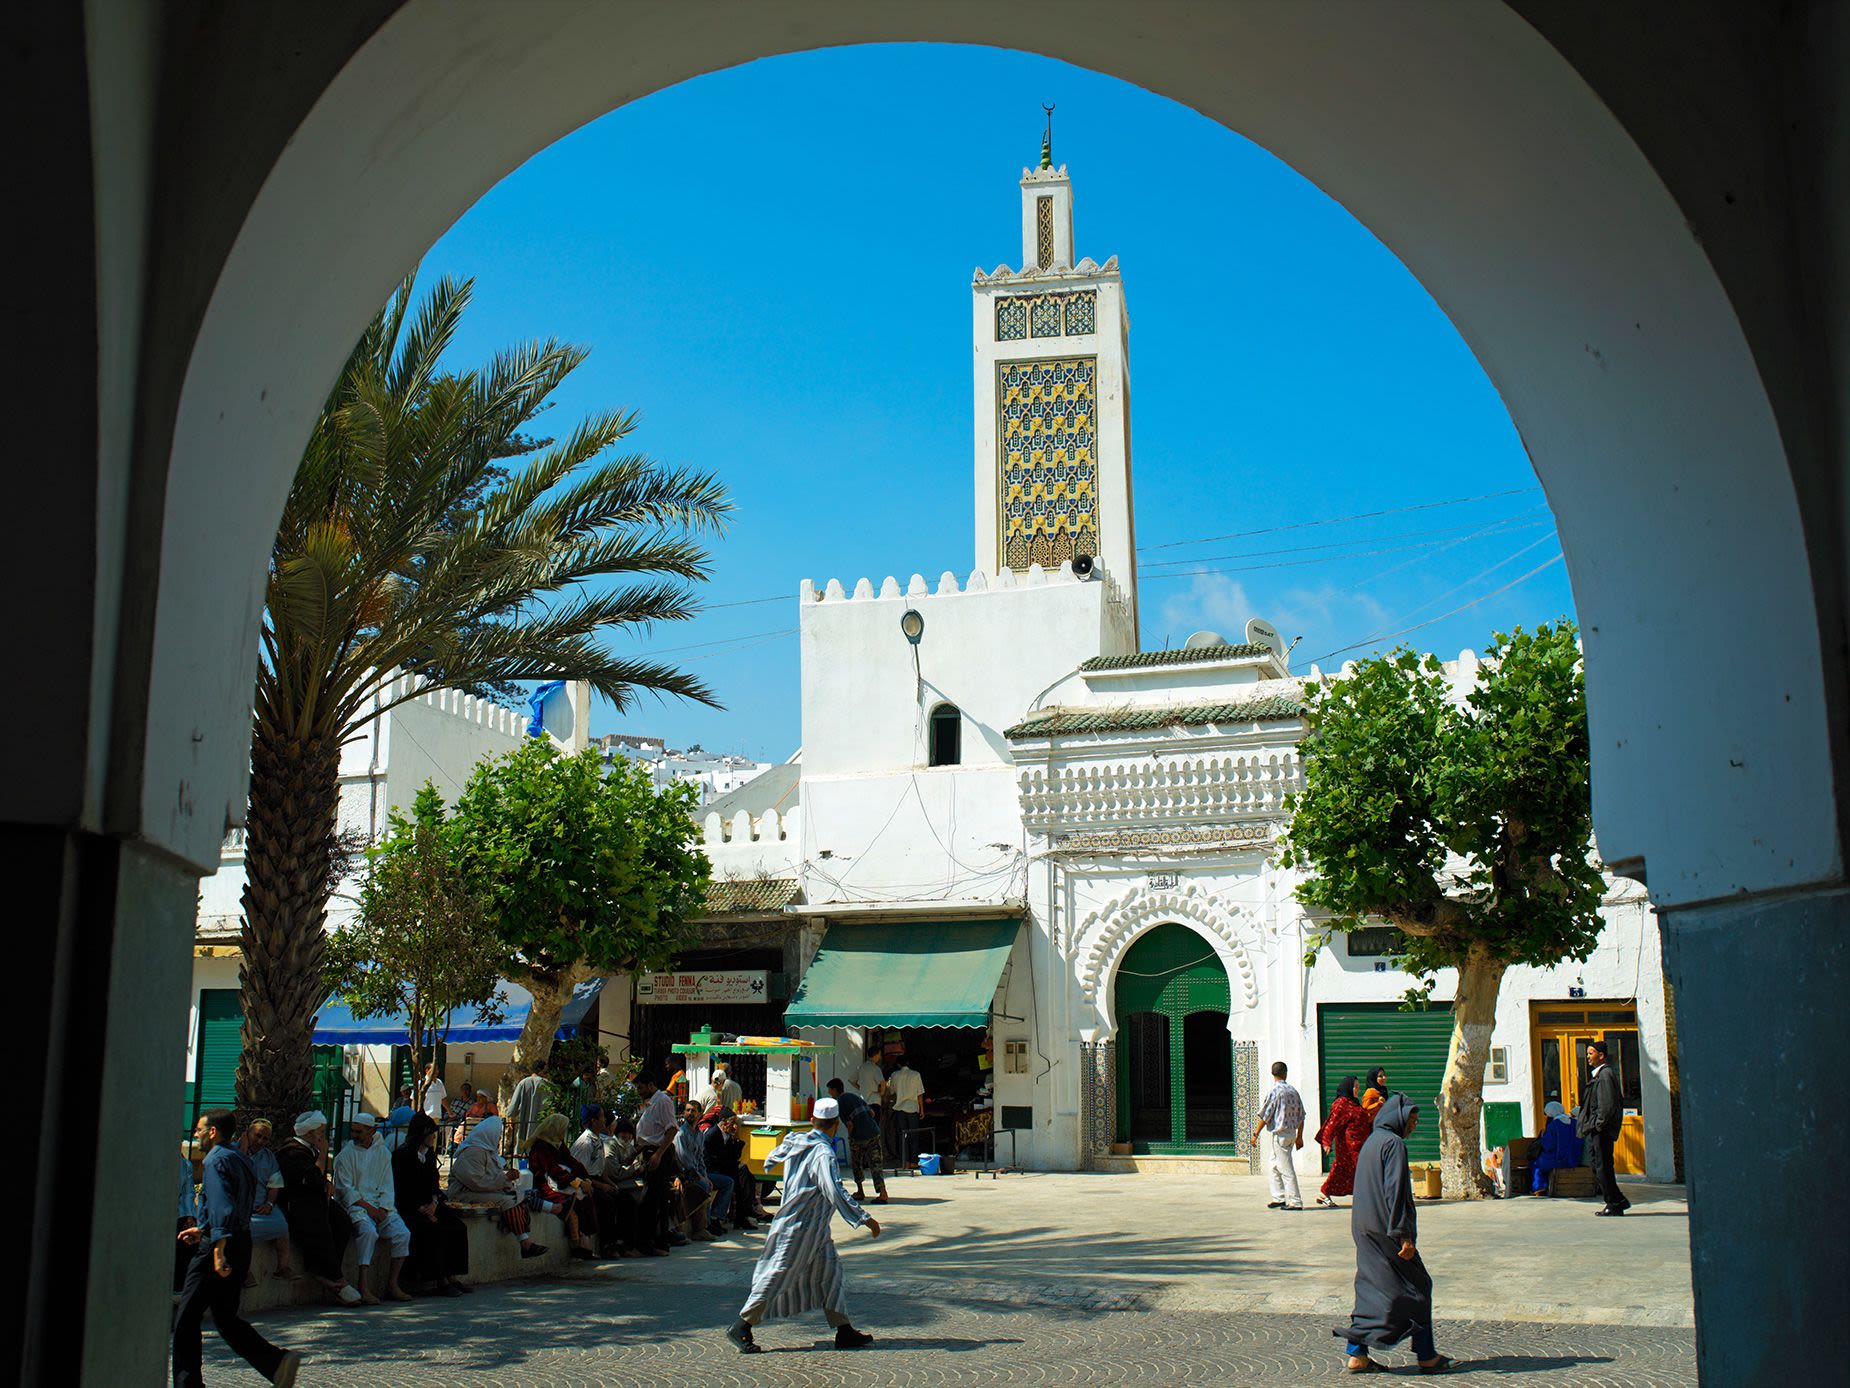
1058,722
754,894
1198,656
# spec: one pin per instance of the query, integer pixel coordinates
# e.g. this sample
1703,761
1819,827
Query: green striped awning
904,974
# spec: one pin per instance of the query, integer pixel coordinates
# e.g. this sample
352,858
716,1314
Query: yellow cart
788,1063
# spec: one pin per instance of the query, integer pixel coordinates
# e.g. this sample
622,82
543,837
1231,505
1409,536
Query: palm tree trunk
1461,1095
288,861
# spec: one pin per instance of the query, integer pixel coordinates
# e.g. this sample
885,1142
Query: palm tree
426,532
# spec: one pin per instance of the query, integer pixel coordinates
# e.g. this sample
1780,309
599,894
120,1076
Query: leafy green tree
588,869
422,945
1467,825
376,571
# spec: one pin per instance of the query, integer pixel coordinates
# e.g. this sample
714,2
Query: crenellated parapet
948,585
717,831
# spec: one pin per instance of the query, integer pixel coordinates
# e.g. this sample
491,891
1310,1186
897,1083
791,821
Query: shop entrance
1175,1060
1561,1070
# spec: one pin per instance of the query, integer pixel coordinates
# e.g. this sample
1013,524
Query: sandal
1441,1365
1367,1366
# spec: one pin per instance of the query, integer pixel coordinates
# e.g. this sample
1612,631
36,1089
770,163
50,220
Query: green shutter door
221,1020
1171,972
1353,1038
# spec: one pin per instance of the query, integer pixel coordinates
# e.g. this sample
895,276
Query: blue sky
772,265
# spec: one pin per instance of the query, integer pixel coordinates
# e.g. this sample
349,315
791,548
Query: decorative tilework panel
1011,319
1246,1098
1043,232
1081,313
1046,316
1098,1124
1046,415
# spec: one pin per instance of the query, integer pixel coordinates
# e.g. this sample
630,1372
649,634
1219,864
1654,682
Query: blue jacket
226,1192
858,1118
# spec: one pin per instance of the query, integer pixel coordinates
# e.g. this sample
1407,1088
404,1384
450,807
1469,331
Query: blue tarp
337,1026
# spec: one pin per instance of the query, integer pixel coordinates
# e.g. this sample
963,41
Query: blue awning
337,1026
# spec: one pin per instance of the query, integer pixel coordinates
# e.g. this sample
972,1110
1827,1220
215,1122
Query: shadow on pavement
1526,1363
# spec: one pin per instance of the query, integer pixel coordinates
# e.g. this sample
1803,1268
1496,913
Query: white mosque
1036,860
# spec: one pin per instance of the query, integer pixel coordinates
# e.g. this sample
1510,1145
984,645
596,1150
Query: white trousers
367,1232
1280,1149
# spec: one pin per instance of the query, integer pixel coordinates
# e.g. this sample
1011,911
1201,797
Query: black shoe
1612,1210
1275,1205
533,1250
847,1337
676,1239
741,1335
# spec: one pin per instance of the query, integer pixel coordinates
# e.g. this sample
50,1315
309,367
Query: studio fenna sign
705,986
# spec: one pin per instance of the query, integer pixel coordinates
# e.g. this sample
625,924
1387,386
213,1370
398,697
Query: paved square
1049,1279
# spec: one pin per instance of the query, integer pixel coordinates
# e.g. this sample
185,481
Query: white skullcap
363,1119
306,1123
826,1109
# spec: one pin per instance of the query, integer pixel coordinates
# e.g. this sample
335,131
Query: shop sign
705,986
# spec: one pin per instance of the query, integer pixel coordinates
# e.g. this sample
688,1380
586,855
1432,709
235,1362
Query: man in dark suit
1602,1109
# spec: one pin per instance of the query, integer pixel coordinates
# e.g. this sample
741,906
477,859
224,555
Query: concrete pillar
1763,1033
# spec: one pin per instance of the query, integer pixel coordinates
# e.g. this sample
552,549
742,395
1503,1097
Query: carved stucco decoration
1106,933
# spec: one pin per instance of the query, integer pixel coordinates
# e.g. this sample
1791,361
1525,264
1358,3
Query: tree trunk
1461,1095
288,855
551,992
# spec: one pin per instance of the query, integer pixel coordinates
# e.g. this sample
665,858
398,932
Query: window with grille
1011,319
1043,231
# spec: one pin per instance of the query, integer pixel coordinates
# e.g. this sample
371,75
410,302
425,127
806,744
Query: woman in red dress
1343,1134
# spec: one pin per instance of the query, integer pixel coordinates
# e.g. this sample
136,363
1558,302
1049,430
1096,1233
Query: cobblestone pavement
603,1329
1059,1280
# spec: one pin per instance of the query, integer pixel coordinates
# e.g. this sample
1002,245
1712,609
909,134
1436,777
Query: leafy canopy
1461,823
586,866
422,945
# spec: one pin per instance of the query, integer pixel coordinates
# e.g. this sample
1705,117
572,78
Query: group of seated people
638,1188
621,1188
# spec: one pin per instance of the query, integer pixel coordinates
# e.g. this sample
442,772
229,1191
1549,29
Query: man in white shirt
363,1185
656,1127
907,1087
868,1079
435,1095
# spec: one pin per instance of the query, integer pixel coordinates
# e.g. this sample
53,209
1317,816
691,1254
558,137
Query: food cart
789,1084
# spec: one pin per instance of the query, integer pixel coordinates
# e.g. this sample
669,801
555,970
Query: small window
947,735
1497,1071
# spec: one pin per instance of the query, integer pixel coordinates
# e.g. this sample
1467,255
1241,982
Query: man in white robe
363,1185
799,1269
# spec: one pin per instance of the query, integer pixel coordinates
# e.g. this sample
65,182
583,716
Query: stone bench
494,1256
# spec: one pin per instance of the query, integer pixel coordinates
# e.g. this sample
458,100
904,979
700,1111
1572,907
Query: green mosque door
1175,1061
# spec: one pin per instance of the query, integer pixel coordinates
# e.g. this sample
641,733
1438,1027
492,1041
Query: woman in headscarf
1559,1147
1374,1091
439,1240
563,1183
477,1177
319,1230
1393,1290
1343,1132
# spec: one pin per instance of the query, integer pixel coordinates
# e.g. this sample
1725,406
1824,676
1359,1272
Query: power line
1476,528
1341,520
1425,545
1462,607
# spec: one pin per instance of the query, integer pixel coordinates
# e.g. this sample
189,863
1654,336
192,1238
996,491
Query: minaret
1053,408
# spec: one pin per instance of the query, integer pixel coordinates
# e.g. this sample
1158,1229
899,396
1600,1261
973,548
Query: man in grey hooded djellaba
1393,1290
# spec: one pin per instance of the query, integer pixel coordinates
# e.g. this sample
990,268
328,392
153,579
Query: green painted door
1175,1060
1353,1038
215,1062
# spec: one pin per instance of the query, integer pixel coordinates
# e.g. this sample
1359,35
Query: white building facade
1085,832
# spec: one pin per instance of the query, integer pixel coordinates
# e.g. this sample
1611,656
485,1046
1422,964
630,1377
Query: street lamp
912,624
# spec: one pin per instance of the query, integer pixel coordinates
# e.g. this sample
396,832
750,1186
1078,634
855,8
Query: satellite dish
1260,632
1203,640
